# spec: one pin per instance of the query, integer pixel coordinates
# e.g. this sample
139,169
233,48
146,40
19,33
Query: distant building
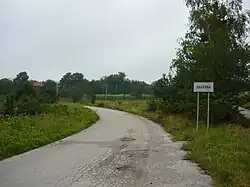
37,84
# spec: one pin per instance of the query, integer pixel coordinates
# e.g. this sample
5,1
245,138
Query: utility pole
57,97
106,92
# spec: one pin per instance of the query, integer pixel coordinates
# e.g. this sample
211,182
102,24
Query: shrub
152,105
93,98
30,107
100,104
84,101
8,105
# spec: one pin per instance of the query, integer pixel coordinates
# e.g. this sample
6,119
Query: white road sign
204,87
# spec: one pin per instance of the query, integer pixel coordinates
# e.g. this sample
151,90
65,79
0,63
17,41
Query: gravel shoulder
119,150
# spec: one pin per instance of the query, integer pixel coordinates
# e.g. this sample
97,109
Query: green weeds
19,134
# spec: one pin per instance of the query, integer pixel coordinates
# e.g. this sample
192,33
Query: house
37,84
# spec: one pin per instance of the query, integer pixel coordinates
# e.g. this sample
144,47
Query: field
19,134
120,97
113,96
223,152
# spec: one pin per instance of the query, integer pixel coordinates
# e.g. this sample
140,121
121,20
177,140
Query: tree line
19,96
75,86
215,49
24,96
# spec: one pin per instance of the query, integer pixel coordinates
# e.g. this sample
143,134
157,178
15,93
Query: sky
48,38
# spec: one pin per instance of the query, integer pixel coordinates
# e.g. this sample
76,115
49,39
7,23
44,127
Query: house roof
37,84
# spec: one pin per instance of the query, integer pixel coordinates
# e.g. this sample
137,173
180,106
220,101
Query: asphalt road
245,112
119,150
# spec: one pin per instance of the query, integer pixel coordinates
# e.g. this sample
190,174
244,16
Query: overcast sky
48,38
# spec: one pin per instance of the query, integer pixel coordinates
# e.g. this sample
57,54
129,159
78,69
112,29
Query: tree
48,93
21,78
5,91
214,49
5,86
24,96
19,96
22,86
73,85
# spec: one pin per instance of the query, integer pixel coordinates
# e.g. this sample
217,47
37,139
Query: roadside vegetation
223,152
122,96
19,134
214,49
30,116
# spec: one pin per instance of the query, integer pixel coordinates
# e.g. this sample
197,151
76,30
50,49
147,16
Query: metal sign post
197,112
208,101
203,87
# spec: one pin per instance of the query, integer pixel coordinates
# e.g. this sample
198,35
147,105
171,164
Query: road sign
204,87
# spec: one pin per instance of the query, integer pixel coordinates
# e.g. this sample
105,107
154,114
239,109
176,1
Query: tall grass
112,97
223,151
120,97
22,133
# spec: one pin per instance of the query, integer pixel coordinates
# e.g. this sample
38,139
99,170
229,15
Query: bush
58,109
220,111
93,98
8,105
47,98
84,102
100,105
152,105
31,107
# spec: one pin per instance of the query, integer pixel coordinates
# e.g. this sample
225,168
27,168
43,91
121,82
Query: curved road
119,150
245,112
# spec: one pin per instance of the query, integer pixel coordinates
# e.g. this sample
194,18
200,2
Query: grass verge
22,133
246,105
223,151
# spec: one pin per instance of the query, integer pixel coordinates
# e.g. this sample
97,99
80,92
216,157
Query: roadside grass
247,106
116,95
223,152
122,95
108,97
22,133
135,106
